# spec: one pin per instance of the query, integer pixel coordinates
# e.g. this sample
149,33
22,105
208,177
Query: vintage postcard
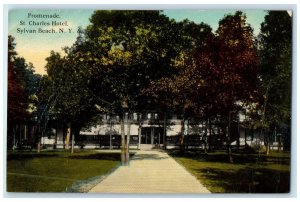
194,101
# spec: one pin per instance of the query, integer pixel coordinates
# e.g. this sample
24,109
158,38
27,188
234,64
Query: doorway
152,135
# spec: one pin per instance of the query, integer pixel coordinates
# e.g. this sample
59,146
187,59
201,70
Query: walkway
150,172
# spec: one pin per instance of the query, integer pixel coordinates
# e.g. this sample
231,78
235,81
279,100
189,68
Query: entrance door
146,135
158,135
152,135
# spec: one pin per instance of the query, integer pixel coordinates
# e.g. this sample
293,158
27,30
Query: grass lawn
250,173
55,171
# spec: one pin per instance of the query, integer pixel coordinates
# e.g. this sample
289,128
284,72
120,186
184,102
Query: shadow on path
148,157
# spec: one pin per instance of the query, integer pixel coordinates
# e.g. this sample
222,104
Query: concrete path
150,172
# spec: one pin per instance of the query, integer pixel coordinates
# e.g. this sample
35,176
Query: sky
36,46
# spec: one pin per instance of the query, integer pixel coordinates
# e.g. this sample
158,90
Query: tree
179,92
123,52
64,95
275,73
228,64
22,85
17,102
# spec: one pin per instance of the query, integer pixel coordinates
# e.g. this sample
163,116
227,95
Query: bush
258,148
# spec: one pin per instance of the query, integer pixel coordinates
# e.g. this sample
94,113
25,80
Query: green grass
55,171
250,173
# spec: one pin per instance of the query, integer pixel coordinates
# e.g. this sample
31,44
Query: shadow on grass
249,180
76,155
250,173
24,156
100,156
239,158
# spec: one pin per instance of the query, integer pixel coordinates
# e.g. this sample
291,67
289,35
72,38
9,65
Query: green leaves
22,86
150,61
276,66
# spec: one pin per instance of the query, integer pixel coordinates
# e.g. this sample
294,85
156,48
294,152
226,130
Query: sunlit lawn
55,171
250,173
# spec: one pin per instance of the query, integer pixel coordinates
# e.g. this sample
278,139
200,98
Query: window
135,116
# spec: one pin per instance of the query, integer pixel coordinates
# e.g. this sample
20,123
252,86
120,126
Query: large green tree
123,51
64,96
22,87
275,73
180,92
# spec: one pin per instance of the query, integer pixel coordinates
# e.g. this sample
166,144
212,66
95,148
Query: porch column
152,135
139,133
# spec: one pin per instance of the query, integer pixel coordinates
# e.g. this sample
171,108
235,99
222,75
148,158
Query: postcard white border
170,5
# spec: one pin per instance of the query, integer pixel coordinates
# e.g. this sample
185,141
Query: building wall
242,137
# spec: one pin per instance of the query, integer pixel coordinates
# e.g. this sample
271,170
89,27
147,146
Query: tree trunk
72,147
246,131
165,131
268,148
39,147
187,134
110,133
279,143
127,156
229,139
33,136
239,135
25,136
14,137
210,134
68,136
205,138
55,140
182,136
64,137
20,137
122,140
39,140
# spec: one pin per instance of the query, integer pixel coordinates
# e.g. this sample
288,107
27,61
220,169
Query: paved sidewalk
150,172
